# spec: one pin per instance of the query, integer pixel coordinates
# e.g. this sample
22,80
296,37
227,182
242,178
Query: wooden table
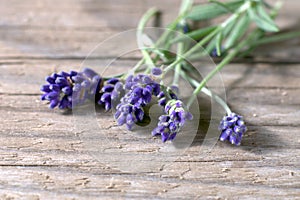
42,156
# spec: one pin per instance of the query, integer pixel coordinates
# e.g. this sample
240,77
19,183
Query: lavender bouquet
130,93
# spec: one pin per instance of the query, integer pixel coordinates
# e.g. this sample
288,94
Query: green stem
184,8
224,62
138,65
180,47
198,46
277,38
205,40
144,20
260,34
206,91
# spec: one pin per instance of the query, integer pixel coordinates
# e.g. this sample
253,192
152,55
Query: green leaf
212,10
262,23
221,4
227,29
219,40
238,31
196,35
263,14
277,38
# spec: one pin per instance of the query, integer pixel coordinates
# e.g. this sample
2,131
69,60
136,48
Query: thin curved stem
206,91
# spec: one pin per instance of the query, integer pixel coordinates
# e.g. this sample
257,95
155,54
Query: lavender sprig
172,121
232,127
64,89
140,89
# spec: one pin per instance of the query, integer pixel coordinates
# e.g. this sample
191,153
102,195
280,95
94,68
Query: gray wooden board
43,155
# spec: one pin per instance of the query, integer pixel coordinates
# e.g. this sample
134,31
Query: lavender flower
142,81
86,86
172,121
232,127
111,91
156,71
64,89
140,89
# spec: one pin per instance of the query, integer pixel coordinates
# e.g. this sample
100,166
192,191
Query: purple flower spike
111,91
139,92
232,128
172,121
64,89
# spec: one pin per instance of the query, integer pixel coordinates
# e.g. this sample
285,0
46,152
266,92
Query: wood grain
43,155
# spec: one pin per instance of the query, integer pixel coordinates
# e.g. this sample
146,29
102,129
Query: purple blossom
64,89
111,91
172,121
143,81
86,86
139,92
232,128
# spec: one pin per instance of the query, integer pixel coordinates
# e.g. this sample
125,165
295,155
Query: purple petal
63,74
225,134
45,88
52,95
63,103
117,114
73,73
164,118
164,136
147,80
161,94
172,127
54,87
121,119
172,136
189,116
114,95
108,88
53,103
139,113
106,97
61,81
162,102
130,119
147,96
156,89
50,79
86,84
78,78
67,90
156,71
43,97
89,72
112,81
107,106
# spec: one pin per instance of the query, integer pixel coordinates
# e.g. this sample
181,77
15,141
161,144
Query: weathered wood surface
43,157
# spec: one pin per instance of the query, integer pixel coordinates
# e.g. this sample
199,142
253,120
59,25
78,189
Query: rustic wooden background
42,156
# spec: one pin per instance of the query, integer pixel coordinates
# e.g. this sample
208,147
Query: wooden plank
272,77
43,154
43,29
